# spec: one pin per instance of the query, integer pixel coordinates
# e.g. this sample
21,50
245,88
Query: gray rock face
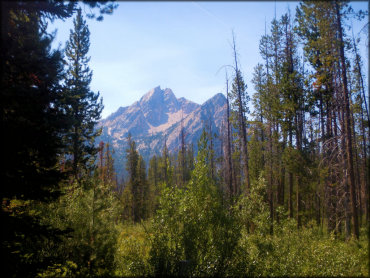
157,104
157,117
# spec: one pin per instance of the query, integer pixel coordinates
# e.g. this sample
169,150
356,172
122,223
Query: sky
184,46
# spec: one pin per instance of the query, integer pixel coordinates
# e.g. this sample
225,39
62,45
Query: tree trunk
290,177
228,140
348,126
242,124
364,164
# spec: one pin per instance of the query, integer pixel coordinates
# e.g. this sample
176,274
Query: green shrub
302,253
89,211
193,234
133,251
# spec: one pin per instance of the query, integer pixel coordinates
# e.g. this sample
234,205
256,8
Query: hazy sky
177,45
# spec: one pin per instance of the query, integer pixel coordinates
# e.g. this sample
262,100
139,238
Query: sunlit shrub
193,234
133,251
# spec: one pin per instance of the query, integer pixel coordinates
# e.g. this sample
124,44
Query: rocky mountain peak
157,116
157,96
168,92
157,104
152,95
171,101
218,100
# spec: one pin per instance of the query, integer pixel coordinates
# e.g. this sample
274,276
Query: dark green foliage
57,9
31,97
33,123
136,194
82,105
238,106
154,182
90,211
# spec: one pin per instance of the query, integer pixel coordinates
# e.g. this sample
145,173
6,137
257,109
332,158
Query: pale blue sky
177,45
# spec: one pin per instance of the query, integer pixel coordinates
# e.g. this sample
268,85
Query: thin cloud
211,14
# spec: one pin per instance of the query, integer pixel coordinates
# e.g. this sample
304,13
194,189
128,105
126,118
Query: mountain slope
157,117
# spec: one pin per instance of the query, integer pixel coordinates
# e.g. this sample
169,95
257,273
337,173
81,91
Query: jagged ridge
157,117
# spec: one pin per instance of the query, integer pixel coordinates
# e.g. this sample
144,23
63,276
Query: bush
193,234
306,252
89,211
132,258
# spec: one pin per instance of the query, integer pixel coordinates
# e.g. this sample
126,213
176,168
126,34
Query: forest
285,194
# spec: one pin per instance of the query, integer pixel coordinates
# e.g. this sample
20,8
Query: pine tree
106,170
228,149
362,115
32,121
164,167
83,104
33,118
182,171
153,180
257,149
293,97
138,189
321,28
143,190
239,100
348,135
132,158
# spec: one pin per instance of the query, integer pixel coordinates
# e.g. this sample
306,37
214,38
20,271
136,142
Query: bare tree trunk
290,177
358,181
228,140
348,127
364,164
242,124
346,187
183,153
299,178
101,150
280,191
270,182
211,151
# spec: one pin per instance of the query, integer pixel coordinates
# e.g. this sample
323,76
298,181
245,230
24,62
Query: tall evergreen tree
32,121
132,158
257,149
362,115
83,104
137,184
153,183
348,134
239,101
321,28
182,171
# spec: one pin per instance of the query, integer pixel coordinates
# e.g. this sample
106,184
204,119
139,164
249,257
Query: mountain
156,117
